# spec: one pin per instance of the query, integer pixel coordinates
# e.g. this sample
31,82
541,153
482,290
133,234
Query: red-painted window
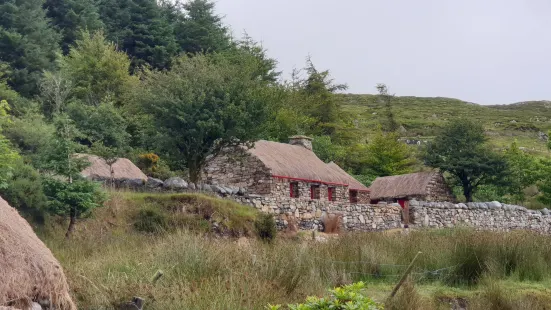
331,194
294,189
314,192
353,196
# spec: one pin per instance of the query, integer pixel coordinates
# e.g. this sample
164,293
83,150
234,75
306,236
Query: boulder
192,186
494,205
154,183
176,183
206,188
132,183
545,211
242,191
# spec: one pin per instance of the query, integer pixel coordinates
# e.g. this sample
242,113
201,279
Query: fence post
404,277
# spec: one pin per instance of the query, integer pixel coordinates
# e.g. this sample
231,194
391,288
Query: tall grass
109,261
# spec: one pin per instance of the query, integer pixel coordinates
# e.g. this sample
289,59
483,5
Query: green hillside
423,116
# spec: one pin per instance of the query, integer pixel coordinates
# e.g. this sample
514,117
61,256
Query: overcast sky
482,51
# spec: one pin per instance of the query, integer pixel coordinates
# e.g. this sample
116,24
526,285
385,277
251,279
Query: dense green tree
386,155
27,43
69,195
71,17
8,156
139,29
201,30
524,171
96,71
205,104
461,151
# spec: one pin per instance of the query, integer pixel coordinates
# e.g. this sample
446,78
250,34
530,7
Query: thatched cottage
123,169
283,170
424,186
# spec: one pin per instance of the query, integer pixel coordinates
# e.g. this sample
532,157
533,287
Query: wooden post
404,277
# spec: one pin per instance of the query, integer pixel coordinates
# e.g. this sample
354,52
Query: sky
481,51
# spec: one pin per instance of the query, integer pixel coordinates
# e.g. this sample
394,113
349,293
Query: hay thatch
28,270
122,168
297,162
352,183
401,186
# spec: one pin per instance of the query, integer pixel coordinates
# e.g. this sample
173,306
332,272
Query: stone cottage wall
238,169
484,216
437,190
281,190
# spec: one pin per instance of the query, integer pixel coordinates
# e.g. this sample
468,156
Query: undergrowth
108,261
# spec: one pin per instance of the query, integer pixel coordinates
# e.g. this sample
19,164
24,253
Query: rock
242,191
545,211
414,203
235,191
176,183
36,306
206,188
192,186
543,136
494,205
132,183
220,190
154,183
462,206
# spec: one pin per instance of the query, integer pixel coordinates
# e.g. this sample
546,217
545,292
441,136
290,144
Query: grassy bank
109,261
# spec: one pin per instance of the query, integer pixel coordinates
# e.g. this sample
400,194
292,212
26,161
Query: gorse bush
265,227
342,298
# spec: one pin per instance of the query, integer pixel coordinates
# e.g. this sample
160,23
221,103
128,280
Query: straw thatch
28,270
402,186
352,183
122,168
297,162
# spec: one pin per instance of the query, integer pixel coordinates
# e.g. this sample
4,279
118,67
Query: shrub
151,220
347,297
265,227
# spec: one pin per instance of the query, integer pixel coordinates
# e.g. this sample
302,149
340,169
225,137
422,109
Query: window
294,189
331,194
314,192
353,196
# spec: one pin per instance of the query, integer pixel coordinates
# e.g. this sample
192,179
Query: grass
108,261
422,118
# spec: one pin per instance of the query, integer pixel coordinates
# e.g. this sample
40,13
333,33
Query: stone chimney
303,141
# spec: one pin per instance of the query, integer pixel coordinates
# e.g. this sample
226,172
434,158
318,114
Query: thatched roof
28,270
123,169
297,162
401,186
353,183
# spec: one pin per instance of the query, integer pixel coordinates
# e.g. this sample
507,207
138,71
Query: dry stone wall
483,216
437,190
310,213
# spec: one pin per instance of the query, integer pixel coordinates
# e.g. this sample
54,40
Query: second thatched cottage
285,171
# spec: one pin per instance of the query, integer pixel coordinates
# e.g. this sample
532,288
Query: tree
139,29
97,71
386,155
524,171
390,125
201,30
71,17
55,91
27,43
8,156
204,104
72,196
461,151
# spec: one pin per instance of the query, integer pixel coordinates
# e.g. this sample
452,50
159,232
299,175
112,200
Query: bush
347,297
151,220
265,227
25,193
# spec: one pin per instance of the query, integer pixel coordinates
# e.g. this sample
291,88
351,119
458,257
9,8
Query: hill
423,116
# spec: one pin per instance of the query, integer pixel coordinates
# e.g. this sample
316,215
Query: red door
402,203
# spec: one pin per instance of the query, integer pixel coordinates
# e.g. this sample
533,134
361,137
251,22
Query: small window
314,192
294,189
331,194
353,196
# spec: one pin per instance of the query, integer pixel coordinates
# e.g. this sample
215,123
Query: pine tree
27,43
139,28
71,17
202,30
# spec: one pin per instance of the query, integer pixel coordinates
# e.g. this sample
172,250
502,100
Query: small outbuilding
424,186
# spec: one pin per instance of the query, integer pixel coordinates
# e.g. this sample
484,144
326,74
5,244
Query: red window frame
313,189
330,194
293,187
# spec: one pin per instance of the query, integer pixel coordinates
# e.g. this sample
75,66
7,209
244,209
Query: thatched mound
122,168
28,270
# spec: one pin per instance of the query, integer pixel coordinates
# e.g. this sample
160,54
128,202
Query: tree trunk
71,227
468,192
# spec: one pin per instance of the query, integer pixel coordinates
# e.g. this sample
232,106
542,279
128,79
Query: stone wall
309,213
484,216
437,190
238,169
281,190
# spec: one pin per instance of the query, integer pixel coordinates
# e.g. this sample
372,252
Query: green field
112,258
422,117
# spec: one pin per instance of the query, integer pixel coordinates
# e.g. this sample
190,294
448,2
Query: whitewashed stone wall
484,216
